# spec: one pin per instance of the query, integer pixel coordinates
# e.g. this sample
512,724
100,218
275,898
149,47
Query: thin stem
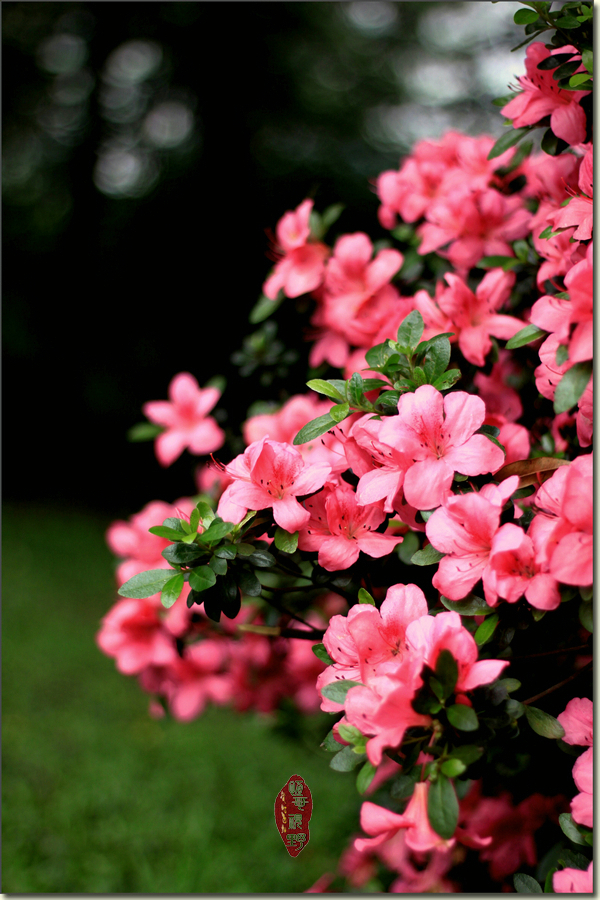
555,687
550,652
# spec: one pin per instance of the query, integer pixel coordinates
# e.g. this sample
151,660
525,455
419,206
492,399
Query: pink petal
288,513
161,412
206,438
568,121
478,456
338,553
483,672
427,483
169,446
572,560
463,415
184,389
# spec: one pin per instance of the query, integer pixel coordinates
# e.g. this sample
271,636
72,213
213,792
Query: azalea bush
408,546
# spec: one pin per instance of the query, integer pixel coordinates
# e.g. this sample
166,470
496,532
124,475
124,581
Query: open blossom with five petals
185,417
339,528
270,474
380,467
429,635
464,529
302,265
579,212
542,97
438,434
513,570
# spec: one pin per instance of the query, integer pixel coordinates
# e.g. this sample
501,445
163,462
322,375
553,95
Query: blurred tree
146,148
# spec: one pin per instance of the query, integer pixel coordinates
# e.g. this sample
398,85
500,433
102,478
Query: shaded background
147,147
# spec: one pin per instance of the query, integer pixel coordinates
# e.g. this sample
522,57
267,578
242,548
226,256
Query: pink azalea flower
580,285
574,881
199,678
582,806
383,824
541,97
303,264
513,570
339,528
474,316
579,212
132,633
272,475
368,637
585,416
185,417
429,635
379,466
578,721
384,709
438,434
463,529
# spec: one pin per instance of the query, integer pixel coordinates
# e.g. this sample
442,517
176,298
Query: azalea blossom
574,881
513,570
579,212
438,434
186,421
541,97
271,474
382,824
302,264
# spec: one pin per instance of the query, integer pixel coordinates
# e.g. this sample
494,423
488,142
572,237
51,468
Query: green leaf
339,412
570,859
586,616
446,670
462,717
486,630
526,335
248,583
568,69
144,431
218,565
436,359
322,654
410,331
525,884
442,807
227,551
587,58
181,554
408,548
265,308
514,709
231,600
378,356
404,786
325,387
469,606
551,144
146,584
331,215
314,429
216,531
543,723
365,597
498,262
548,233
169,533
571,386
446,380
202,578
349,733
587,593
346,760
189,538
371,384
389,399
468,753
565,820
525,16
242,549
194,519
356,390
552,62
428,556
548,883
562,354
175,524
511,684
567,22
171,591
329,743
365,777
337,690
207,515
509,139
453,767
285,541
262,559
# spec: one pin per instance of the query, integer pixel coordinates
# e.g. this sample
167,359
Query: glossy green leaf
182,554
569,827
525,336
525,16
218,565
285,541
462,717
356,390
171,591
365,777
447,380
543,723
508,139
486,630
339,412
144,431
365,597
216,531
324,387
446,671
202,578
314,429
346,760
262,559
146,584
264,307
586,616
337,690
428,556
442,807
469,606
453,767
322,654
571,386
410,331
587,58
170,534
525,884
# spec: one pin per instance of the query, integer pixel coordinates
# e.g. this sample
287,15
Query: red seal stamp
293,809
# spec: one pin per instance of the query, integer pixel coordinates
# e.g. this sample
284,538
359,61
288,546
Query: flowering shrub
412,553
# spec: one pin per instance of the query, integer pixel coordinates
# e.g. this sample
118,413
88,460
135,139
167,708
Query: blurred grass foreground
98,797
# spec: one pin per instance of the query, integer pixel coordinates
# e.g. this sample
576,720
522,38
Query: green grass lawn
100,798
